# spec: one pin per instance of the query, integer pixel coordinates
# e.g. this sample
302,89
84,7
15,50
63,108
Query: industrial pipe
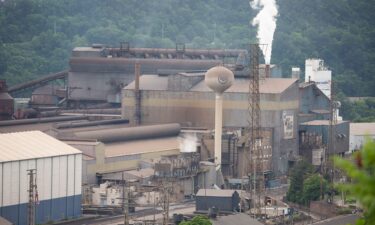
131,133
40,120
126,65
90,123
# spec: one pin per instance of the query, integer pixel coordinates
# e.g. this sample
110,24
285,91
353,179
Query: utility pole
165,202
32,197
125,200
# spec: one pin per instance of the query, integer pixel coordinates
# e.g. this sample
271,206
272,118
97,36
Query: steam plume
188,142
266,21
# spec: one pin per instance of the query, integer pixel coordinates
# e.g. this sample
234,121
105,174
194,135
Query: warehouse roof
240,85
215,192
31,144
362,128
321,122
240,219
141,146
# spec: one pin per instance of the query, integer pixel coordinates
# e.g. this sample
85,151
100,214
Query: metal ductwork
41,120
126,65
131,133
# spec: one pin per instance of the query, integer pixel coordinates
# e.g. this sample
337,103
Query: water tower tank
219,79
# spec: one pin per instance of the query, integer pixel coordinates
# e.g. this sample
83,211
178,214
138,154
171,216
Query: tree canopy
37,36
362,172
197,220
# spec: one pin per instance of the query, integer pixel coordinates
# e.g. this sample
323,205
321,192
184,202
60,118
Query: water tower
218,79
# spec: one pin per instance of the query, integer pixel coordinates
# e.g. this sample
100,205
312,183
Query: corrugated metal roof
3,221
215,192
238,219
362,128
31,144
141,146
306,84
240,85
320,111
320,123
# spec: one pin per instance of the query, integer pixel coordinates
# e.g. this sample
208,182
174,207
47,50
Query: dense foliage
305,185
362,172
37,36
197,220
339,31
358,111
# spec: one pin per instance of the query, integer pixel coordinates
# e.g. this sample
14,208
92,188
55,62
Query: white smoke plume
188,142
266,21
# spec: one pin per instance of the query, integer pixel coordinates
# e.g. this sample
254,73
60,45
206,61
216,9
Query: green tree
297,175
197,220
361,170
314,187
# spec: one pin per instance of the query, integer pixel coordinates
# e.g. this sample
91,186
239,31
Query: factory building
320,129
358,134
313,103
316,71
184,98
57,180
97,73
123,148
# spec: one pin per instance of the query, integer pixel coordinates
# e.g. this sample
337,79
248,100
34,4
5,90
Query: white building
316,71
358,134
58,177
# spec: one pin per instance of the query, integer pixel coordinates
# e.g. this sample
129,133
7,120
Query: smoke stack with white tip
218,79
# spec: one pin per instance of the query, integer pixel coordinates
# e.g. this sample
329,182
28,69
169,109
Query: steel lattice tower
255,166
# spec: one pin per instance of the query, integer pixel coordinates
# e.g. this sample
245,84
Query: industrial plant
155,136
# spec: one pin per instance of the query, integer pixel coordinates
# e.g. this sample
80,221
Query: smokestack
267,71
137,116
218,79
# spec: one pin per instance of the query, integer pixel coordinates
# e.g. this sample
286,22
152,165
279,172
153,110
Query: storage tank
57,180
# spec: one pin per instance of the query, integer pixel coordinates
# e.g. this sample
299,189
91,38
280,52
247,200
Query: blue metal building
58,177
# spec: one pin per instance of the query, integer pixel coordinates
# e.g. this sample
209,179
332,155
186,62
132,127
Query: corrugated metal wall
58,183
193,108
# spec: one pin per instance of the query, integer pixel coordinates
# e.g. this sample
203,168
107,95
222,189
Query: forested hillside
342,32
37,36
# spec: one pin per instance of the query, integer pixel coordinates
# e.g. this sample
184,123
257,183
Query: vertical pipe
218,129
267,71
137,75
137,116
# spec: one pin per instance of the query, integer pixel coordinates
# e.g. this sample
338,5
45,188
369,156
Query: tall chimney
137,95
218,79
267,71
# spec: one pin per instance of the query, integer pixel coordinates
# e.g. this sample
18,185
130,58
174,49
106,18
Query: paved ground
339,220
